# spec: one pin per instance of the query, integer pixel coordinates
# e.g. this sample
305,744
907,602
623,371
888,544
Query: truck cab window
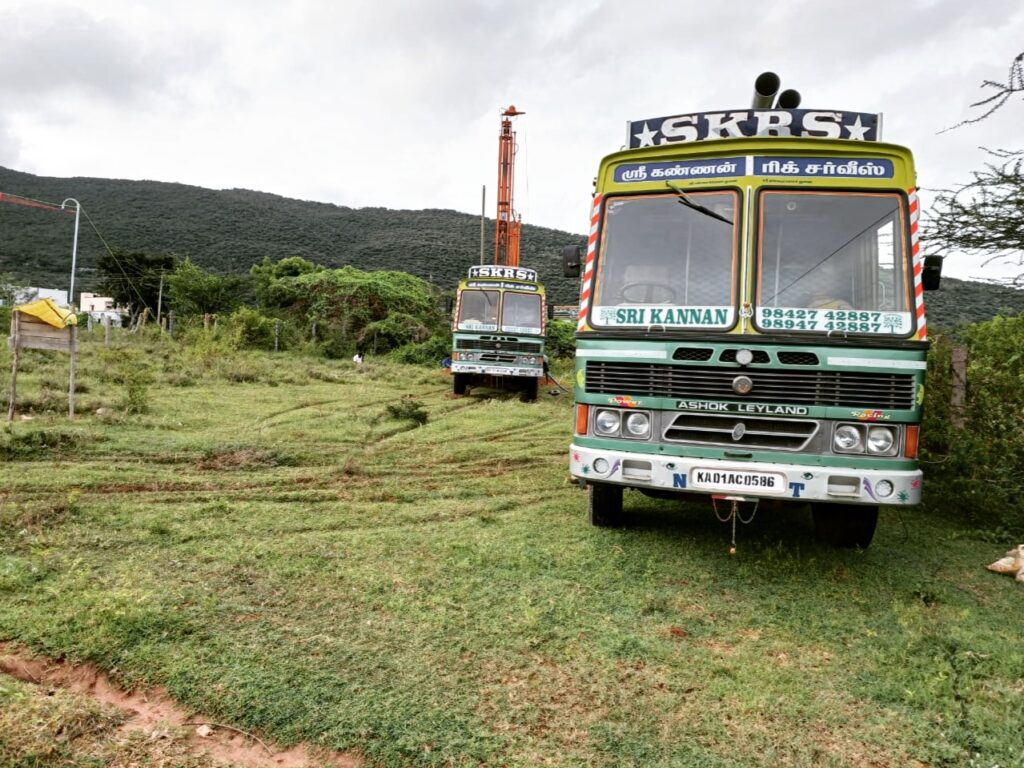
478,311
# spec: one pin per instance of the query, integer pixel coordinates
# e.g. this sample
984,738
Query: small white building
31,293
91,302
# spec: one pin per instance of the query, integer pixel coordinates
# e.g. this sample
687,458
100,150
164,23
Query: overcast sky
396,103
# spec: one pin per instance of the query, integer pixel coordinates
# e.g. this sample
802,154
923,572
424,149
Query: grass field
279,551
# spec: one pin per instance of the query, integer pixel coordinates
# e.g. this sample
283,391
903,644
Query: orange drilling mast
508,222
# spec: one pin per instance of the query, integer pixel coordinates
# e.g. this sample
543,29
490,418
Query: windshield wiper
685,200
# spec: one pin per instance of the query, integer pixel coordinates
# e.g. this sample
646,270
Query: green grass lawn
271,545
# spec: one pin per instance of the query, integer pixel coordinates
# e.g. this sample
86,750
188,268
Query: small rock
204,731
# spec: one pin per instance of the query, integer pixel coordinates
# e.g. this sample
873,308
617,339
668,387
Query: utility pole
483,218
74,248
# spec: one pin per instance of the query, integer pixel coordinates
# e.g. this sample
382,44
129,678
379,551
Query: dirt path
153,713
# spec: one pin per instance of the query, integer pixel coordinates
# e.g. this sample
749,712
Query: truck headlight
848,439
881,440
638,424
607,422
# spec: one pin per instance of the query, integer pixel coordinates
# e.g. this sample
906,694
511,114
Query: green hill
228,231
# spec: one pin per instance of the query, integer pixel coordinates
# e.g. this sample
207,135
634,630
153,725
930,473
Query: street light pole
74,247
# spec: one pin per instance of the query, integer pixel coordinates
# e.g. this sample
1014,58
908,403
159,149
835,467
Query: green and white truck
498,330
752,320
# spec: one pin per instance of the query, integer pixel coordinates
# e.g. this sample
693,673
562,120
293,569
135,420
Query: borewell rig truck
752,321
499,320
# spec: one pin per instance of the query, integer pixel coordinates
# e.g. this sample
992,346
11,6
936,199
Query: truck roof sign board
696,126
507,273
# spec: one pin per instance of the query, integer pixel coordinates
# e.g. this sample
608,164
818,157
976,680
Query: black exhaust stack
765,88
789,99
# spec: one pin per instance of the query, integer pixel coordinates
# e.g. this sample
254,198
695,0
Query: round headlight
607,422
638,424
880,440
847,438
600,466
883,488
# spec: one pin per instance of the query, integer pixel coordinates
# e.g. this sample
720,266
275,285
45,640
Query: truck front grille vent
851,389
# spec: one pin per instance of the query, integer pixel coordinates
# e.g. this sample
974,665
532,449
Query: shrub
560,339
251,330
977,470
407,410
430,352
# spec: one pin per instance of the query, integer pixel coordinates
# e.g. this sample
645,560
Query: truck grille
778,434
804,387
529,347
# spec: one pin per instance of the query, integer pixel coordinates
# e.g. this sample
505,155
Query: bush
560,339
407,410
430,352
977,471
251,330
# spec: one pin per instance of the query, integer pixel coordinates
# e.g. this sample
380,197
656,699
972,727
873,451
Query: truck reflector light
910,447
581,419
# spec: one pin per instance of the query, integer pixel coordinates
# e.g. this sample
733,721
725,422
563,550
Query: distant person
357,358
446,363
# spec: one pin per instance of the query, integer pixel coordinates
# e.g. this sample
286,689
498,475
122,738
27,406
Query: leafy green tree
266,275
193,291
132,279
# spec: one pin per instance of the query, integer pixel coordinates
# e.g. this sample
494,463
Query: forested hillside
228,231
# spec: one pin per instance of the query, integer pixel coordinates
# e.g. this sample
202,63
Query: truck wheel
845,525
530,390
461,383
604,504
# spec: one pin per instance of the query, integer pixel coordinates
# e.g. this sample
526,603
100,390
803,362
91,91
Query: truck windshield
667,264
520,313
833,261
478,311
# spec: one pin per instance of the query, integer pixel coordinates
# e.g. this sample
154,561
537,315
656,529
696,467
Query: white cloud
395,103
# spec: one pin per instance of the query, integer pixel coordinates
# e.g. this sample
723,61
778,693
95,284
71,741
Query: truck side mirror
931,275
571,258
551,311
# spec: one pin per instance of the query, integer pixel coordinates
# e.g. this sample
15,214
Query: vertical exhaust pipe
765,88
789,99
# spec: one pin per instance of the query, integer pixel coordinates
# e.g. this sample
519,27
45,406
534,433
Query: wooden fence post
106,331
15,352
73,332
170,323
277,335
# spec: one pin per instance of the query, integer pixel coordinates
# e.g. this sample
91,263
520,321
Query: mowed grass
281,554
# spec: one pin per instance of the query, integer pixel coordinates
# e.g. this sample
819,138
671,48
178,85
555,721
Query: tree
133,279
193,291
986,215
267,274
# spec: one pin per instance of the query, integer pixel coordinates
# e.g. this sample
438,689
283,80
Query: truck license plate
746,482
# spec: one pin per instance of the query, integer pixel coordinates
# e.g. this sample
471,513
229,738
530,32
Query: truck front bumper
496,370
749,479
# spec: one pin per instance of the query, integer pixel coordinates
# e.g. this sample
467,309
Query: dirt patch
238,457
153,713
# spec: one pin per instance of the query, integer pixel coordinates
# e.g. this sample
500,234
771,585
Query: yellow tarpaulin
48,311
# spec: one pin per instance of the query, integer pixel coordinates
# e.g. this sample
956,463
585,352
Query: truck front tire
460,383
845,525
604,504
530,390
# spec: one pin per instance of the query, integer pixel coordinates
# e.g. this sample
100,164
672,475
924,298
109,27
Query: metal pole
74,247
483,217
